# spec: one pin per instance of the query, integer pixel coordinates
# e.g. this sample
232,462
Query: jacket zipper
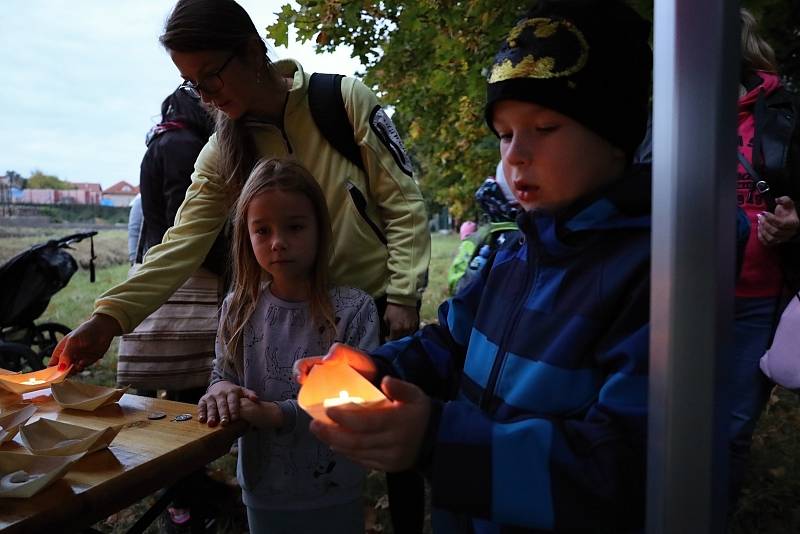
280,125
488,391
361,206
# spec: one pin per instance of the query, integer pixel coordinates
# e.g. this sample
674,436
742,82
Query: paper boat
12,417
26,382
54,438
328,381
24,475
88,397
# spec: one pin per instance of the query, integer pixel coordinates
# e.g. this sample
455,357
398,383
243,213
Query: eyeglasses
211,84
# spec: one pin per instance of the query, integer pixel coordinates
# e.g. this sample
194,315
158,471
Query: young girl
282,309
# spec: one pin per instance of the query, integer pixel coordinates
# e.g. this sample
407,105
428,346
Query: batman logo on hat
541,48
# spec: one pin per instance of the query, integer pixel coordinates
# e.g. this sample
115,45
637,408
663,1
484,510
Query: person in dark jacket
173,348
768,183
172,148
526,405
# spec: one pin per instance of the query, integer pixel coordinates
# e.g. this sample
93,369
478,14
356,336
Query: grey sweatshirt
288,468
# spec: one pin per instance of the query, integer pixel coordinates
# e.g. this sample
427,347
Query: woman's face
239,91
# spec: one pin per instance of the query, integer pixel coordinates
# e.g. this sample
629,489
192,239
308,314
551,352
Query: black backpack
330,115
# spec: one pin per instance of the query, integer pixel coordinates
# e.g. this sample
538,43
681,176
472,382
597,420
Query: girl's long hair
221,25
274,175
757,54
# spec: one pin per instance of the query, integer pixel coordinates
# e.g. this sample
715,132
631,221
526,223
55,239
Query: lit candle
33,382
343,398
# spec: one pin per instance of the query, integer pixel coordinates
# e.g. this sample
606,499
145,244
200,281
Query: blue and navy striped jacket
538,371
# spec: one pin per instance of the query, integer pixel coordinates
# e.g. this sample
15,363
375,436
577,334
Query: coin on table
183,417
156,415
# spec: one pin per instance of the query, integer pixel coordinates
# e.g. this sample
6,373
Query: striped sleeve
433,358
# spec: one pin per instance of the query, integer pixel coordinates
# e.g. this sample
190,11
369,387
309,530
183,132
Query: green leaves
279,32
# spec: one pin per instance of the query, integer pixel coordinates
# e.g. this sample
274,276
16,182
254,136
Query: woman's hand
221,403
401,320
388,437
86,344
781,226
338,353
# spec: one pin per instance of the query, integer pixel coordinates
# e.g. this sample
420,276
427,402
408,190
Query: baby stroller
27,282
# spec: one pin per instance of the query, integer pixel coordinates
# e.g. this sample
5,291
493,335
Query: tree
428,59
15,179
39,180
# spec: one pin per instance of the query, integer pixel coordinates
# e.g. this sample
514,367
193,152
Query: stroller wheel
45,338
16,356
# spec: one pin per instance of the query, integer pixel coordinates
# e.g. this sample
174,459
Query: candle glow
33,382
343,398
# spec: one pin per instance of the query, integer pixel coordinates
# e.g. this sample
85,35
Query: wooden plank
146,455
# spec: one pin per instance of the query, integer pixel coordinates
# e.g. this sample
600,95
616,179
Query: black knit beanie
587,59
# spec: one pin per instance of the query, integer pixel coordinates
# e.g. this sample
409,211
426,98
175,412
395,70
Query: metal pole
696,51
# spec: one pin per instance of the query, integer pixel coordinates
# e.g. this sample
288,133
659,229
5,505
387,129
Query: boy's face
549,159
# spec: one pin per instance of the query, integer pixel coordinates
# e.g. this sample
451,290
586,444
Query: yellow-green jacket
393,202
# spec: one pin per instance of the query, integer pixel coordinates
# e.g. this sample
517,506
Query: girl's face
239,91
549,159
283,232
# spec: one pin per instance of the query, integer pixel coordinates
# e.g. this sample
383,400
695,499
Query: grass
110,246
443,247
770,501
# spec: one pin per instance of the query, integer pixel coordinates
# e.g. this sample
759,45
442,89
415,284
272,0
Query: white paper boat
88,397
12,417
24,475
27,382
54,438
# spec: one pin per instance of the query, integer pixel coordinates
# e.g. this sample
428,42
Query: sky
82,82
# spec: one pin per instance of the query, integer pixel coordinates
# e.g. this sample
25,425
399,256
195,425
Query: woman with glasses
380,235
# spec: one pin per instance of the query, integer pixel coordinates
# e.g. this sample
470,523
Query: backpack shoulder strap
330,116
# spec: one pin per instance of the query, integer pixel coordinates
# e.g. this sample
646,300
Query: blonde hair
274,175
757,54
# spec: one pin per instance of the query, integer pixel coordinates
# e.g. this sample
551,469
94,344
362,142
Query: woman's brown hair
221,25
274,175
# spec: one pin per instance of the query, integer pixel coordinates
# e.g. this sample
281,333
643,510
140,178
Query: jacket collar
625,204
287,68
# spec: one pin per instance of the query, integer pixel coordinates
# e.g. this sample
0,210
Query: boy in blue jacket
526,406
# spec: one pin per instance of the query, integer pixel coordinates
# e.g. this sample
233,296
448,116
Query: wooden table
145,456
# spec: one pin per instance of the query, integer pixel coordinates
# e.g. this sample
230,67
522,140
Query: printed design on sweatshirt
360,324
275,314
279,370
321,466
746,192
347,302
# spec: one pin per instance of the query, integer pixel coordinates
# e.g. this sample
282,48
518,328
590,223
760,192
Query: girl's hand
781,226
338,353
387,438
221,403
262,414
